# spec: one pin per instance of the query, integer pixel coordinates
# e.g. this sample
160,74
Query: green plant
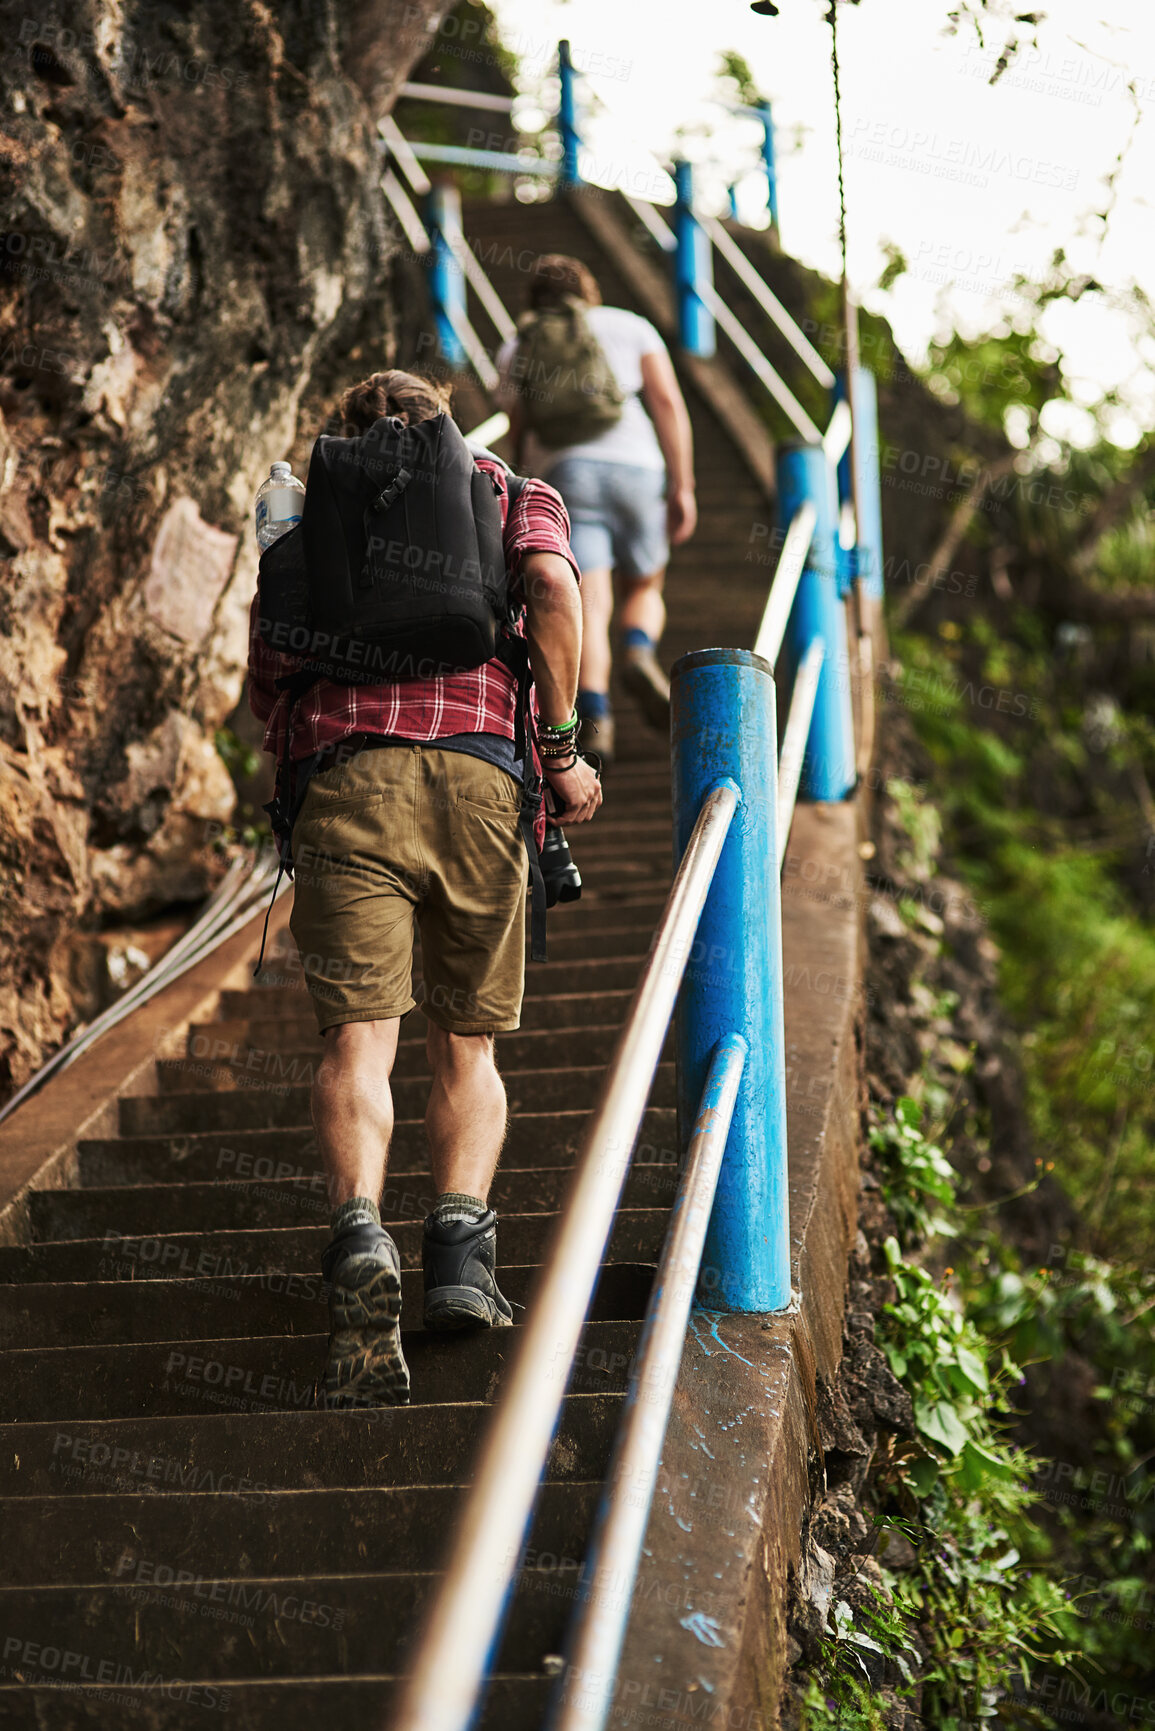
916,1173
239,759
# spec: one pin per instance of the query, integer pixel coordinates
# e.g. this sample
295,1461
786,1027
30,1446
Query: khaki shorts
402,834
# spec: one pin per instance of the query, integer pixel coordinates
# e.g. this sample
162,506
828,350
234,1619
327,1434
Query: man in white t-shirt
629,491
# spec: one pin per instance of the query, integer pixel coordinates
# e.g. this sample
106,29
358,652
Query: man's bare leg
642,620
597,610
465,1118
465,1123
643,606
353,1118
353,1107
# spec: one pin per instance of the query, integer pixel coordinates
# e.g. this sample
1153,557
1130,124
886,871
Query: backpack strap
513,652
285,805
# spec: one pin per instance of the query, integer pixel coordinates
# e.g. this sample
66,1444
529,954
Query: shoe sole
655,701
448,1308
365,1365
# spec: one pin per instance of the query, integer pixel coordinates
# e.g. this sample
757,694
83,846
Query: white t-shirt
625,337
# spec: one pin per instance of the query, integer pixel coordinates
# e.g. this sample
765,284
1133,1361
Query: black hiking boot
460,1289
364,1365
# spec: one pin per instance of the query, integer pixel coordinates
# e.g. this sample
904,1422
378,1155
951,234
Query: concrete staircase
183,1531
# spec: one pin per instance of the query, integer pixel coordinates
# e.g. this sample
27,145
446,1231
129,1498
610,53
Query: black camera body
563,881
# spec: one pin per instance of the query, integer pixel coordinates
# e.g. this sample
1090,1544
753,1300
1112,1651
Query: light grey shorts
617,514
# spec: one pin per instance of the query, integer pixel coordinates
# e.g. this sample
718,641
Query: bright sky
973,183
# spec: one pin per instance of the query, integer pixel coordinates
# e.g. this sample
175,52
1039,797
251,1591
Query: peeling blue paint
716,1319
703,1628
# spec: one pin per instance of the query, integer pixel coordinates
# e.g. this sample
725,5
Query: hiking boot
643,678
598,736
364,1365
460,1289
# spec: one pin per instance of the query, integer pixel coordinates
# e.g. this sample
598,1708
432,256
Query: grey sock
358,1211
453,1205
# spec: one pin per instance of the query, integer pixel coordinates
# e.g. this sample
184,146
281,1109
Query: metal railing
463,1631
729,1229
237,897
612,1564
729,1226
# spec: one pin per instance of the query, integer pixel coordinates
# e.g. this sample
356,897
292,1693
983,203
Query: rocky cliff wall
192,235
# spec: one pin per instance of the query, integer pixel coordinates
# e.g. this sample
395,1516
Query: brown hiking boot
364,1365
643,678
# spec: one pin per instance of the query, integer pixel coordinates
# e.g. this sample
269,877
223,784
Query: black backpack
396,569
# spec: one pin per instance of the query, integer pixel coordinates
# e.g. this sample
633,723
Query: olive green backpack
561,373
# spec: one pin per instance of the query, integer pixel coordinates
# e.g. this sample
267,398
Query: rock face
192,240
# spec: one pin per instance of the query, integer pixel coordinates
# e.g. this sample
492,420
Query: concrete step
138,1538
232,1204
251,1454
540,1139
264,1373
269,1103
47,1314
141,1538
571,1010
217,1064
542,979
512,1703
229,1255
280,1626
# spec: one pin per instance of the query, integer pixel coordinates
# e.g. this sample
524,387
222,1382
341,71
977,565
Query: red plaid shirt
482,700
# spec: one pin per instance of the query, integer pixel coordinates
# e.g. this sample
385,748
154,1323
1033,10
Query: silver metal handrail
483,288
725,245
228,910
615,1549
658,227
758,364
475,349
402,152
450,1664
488,432
837,435
403,209
459,98
794,737
784,586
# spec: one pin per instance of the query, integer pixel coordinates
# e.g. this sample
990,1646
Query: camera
563,881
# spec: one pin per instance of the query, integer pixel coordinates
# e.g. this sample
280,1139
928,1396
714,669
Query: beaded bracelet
560,726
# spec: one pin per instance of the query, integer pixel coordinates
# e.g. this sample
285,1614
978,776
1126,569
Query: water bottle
279,505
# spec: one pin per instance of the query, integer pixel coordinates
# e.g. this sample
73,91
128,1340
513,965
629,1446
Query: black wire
832,20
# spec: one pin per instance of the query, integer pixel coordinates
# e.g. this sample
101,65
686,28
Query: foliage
1078,963
916,1174
1041,823
957,1489
734,70
239,759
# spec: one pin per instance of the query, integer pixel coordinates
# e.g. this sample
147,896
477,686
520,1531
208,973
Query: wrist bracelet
561,726
554,763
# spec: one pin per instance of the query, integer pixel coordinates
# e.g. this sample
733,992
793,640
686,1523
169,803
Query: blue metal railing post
869,544
724,726
446,278
567,120
805,474
768,162
693,266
